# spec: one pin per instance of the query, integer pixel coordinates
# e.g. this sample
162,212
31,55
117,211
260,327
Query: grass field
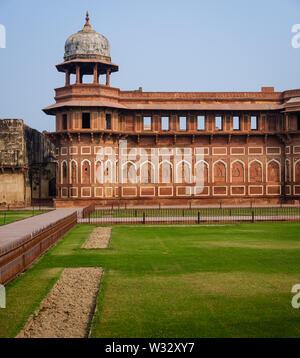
197,281
7,217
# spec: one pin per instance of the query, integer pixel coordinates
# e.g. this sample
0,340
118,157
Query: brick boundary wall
17,256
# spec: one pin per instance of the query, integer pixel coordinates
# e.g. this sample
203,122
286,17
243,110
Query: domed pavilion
87,53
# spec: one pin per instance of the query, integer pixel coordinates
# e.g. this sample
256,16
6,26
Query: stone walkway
16,231
68,309
98,239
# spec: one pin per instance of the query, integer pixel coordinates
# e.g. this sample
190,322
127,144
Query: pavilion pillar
77,74
96,74
286,122
67,78
107,77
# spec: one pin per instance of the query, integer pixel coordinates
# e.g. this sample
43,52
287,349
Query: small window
108,121
182,123
201,123
219,123
165,125
64,122
253,123
86,121
147,123
236,123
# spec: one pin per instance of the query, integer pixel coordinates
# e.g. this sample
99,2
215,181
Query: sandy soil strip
68,309
99,238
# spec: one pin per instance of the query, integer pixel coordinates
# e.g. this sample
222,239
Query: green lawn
218,281
7,217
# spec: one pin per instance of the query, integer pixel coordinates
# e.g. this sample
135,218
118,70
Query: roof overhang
61,105
87,65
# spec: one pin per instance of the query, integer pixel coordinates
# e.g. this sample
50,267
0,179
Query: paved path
17,230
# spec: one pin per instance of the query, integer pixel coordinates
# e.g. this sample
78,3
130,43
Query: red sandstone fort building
248,142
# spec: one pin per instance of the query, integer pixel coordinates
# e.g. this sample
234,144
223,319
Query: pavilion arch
270,175
98,172
221,175
232,170
206,171
165,172
145,176
73,172
257,176
129,173
296,174
185,173
64,172
85,171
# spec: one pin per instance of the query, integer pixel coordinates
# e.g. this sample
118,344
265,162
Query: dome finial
87,19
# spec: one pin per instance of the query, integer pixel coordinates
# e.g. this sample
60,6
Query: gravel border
98,239
68,309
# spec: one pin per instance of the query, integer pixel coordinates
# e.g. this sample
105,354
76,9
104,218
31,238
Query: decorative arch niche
297,171
86,172
107,172
165,172
273,172
64,169
129,173
183,172
147,173
73,179
98,172
201,169
255,172
287,170
219,172
237,172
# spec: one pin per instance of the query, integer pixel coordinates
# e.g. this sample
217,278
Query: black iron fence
191,215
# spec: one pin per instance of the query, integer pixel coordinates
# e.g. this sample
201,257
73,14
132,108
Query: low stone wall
17,255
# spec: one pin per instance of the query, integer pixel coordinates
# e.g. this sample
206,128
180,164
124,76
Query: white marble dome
87,44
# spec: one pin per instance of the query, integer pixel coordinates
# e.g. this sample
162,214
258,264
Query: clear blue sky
161,45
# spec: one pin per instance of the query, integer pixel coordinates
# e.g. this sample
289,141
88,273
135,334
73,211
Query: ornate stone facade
244,145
